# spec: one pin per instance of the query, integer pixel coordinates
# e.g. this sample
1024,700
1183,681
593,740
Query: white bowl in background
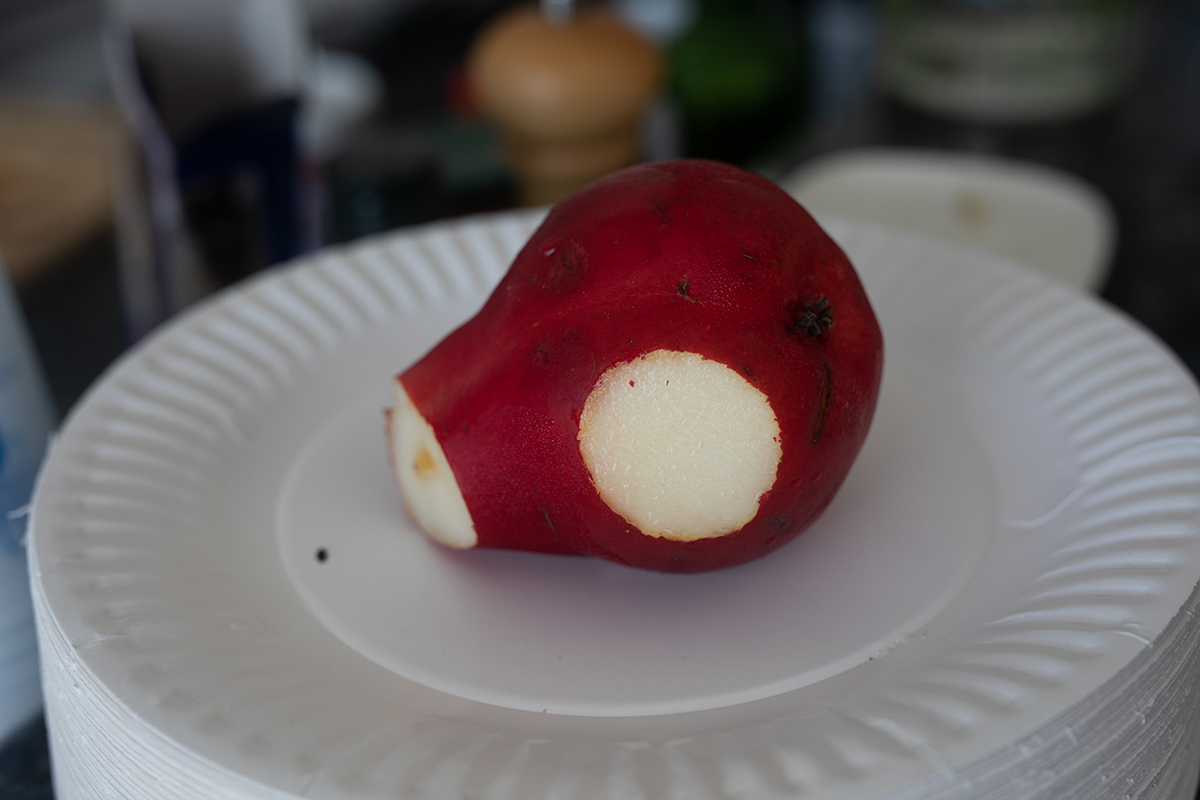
1040,216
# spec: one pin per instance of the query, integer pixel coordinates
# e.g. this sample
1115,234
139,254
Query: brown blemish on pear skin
659,208
568,263
777,524
553,530
423,464
823,403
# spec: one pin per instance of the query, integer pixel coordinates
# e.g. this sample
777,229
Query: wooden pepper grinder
568,89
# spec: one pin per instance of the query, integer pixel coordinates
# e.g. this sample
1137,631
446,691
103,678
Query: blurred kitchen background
154,151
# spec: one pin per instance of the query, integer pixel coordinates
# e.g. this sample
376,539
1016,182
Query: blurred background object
739,77
568,89
57,132
214,187
843,38
385,176
1007,61
1032,214
49,48
56,188
660,21
340,91
348,23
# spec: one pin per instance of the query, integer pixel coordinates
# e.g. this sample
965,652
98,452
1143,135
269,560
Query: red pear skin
687,255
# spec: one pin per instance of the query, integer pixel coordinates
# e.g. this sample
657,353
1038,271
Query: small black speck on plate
322,554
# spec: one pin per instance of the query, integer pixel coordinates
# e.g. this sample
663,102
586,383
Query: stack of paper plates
1000,603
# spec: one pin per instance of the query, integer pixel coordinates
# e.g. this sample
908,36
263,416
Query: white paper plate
1012,554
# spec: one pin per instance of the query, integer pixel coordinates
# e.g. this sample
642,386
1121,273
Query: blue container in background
26,420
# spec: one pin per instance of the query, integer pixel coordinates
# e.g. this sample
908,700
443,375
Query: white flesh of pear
680,446
426,481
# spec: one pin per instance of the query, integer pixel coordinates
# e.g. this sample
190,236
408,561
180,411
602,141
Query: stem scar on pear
815,318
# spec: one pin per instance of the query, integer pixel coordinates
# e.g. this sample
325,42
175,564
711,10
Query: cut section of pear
426,481
680,446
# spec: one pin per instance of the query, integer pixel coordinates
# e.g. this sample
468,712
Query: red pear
676,373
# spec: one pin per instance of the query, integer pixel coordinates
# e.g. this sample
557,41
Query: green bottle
738,79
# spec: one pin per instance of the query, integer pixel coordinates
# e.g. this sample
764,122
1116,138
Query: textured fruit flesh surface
681,256
681,447
425,479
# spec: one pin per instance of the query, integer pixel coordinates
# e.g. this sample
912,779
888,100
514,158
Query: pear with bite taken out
676,374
